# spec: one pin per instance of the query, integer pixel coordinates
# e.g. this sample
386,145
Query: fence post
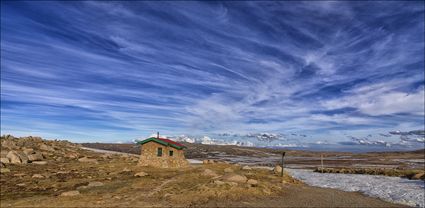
283,155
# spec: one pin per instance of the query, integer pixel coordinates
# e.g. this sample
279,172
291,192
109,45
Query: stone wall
149,156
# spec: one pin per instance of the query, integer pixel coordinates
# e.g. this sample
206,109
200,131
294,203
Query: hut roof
163,141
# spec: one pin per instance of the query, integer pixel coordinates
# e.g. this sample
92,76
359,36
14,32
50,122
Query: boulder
70,193
141,174
4,160
209,173
95,184
228,170
28,151
205,161
418,176
4,170
37,176
252,182
232,177
277,169
35,157
46,148
23,157
14,157
86,159
246,168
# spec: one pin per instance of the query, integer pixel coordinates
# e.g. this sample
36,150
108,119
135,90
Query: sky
333,71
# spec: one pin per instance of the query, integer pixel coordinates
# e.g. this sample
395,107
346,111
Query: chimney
157,135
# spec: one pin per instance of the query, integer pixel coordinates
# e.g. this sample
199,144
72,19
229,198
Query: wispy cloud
119,70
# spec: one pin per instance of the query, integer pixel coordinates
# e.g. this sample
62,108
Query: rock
28,151
21,184
107,156
46,148
23,157
252,182
232,177
37,176
418,176
70,193
14,157
4,160
277,169
8,144
246,168
211,161
141,174
219,182
86,159
19,174
209,173
40,162
228,170
95,184
4,170
205,161
35,157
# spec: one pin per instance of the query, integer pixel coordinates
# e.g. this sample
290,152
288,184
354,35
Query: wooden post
321,161
283,155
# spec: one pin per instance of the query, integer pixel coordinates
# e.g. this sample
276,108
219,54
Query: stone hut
162,153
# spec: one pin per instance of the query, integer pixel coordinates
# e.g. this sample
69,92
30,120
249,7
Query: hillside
63,174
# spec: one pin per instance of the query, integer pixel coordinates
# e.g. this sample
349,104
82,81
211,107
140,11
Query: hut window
159,153
171,153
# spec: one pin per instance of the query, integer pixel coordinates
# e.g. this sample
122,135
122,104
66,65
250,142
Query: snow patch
392,189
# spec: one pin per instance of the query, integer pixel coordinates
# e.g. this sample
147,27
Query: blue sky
115,71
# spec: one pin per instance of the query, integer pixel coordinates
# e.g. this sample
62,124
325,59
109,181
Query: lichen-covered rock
28,151
46,148
277,169
252,182
4,160
35,157
37,176
14,157
23,157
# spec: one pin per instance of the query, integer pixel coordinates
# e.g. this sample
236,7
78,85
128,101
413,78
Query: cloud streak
203,68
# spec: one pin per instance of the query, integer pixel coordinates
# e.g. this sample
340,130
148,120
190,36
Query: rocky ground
37,172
